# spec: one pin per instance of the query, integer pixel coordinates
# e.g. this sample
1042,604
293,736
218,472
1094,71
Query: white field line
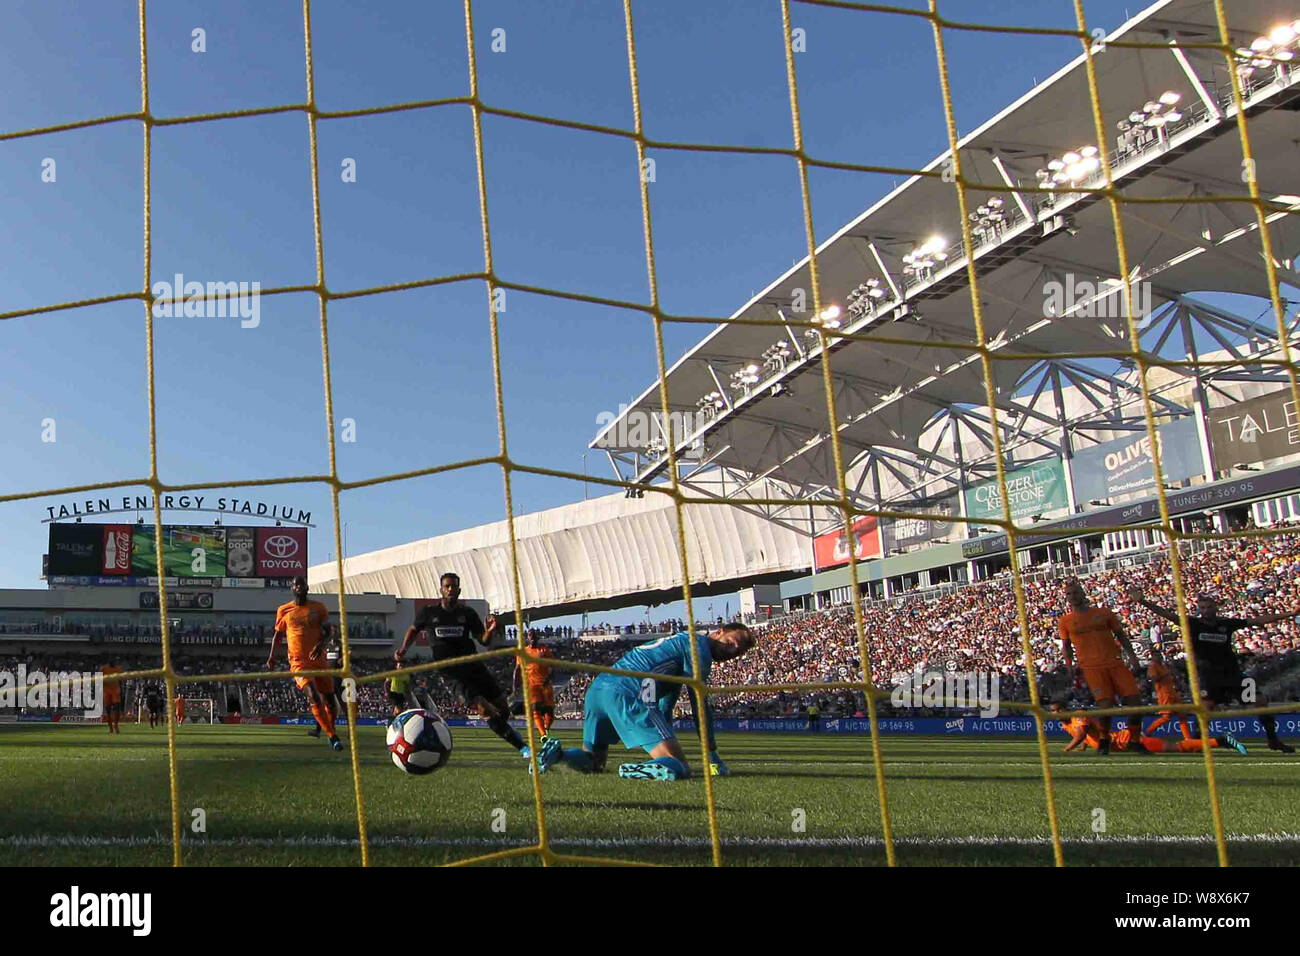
52,840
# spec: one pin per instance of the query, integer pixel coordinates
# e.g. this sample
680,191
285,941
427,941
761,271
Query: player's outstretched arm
1077,738
1125,645
406,643
703,715
276,638
1135,594
1271,618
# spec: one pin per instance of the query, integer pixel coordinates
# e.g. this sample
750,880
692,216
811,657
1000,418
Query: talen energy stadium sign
225,505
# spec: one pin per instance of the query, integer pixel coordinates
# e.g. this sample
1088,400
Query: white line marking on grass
1062,763
327,842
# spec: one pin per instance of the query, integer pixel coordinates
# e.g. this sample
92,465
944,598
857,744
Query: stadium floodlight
862,300
988,219
922,260
775,356
1073,167
1274,50
1162,111
745,378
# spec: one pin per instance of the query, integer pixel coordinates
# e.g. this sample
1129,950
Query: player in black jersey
452,628
153,701
1216,662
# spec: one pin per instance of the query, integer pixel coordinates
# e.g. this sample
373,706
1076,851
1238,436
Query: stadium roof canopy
918,407
582,556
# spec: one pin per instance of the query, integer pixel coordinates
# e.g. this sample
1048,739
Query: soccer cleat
645,771
1235,744
525,752
1280,746
336,744
314,732
550,754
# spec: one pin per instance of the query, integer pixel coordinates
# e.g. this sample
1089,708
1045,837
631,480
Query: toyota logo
281,546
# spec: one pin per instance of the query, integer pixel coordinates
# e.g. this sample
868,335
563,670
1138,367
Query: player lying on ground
451,629
540,691
1089,731
1096,636
1166,692
1216,662
306,625
639,711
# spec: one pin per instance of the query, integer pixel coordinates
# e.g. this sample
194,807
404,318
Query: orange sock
324,717
1194,746
548,718
1185,727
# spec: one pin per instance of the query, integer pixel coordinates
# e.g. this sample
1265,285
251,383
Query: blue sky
231,201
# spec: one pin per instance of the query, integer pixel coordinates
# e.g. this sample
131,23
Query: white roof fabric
607,547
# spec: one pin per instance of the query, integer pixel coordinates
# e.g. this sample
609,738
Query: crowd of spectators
976,628
182,632
968,629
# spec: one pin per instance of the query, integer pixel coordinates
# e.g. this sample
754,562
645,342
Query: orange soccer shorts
1110,680
324,685
543,694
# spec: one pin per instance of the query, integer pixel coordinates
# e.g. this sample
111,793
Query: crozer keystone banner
1125,465
1036,489
1258,430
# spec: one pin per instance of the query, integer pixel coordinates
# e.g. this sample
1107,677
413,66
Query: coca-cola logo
280,546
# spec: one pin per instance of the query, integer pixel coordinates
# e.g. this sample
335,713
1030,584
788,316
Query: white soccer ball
419,741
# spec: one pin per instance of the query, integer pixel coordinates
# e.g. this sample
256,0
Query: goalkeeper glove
716,767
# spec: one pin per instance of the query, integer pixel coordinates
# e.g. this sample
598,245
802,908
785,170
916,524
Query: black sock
1270,727
500,725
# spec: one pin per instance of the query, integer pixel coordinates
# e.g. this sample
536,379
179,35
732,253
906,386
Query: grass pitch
273,796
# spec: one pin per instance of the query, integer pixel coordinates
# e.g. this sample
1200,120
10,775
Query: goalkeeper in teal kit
639,711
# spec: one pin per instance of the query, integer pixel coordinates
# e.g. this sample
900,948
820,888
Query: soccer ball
419,741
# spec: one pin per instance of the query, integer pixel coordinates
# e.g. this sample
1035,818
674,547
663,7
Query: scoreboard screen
121,553
187,551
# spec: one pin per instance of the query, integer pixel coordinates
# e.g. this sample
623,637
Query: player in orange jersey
540,690
112,697
180,708
305,624
1087,731
1095,637
1166,693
